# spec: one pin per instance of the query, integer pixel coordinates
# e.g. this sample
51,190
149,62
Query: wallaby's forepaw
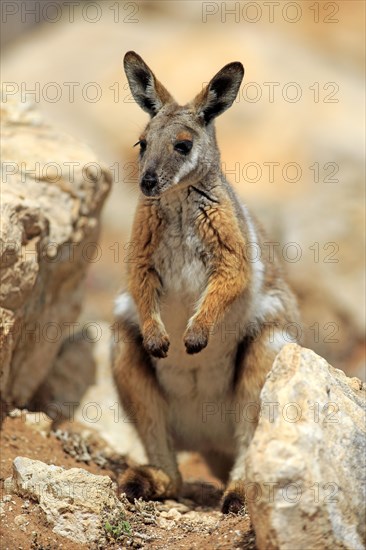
147,482
233,502
156,341
195,338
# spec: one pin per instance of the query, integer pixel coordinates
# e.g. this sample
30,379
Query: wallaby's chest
181,258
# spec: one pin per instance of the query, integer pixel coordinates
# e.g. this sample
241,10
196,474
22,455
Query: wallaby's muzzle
149,184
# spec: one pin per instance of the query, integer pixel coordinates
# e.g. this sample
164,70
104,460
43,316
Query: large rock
75,501
52,193
306,462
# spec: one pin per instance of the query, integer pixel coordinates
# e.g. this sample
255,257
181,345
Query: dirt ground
195,521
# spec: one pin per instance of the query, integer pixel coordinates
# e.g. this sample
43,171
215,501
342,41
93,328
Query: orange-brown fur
144,283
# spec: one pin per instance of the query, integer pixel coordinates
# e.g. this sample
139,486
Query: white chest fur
180,255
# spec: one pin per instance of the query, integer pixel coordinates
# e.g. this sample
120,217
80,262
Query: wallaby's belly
198,387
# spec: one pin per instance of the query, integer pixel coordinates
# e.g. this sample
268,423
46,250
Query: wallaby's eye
142,143
183,147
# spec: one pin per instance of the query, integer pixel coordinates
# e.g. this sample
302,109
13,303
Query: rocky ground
192,522
305,477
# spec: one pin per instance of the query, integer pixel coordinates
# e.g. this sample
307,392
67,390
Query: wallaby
202,319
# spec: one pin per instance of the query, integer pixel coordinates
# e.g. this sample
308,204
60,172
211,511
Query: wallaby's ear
220,92
146,89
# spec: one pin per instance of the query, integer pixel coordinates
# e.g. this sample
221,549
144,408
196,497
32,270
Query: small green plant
122,527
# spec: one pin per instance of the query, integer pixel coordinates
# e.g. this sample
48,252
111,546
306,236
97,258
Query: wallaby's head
178,145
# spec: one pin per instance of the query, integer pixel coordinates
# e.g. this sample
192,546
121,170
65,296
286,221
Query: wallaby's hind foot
233,500
149,483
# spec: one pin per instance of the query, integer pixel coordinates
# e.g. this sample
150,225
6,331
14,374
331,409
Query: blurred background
292,145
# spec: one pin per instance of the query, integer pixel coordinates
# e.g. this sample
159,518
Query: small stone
8,488
202,518
182,508
39,422
165,523
21,521
16,413
173,514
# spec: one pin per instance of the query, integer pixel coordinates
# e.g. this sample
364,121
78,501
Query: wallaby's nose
149,183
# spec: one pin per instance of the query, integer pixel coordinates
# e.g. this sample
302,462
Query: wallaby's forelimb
145,283
218,231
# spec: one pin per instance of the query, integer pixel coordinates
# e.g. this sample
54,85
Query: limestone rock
52,193
306,462
74,500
